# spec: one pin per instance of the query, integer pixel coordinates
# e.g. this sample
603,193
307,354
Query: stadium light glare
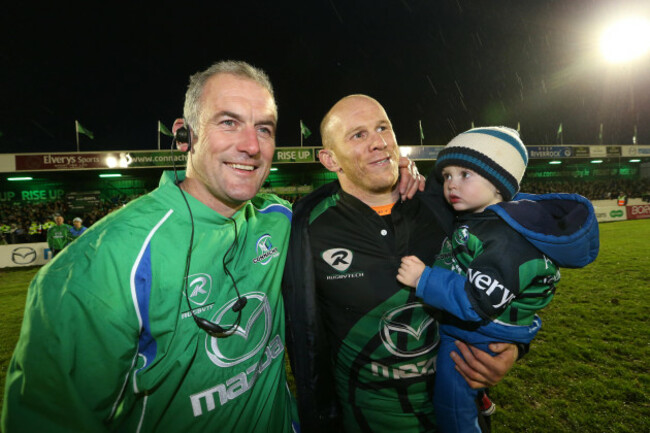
597,161
17,179
110,175
274,169
626,40
555,162
635,160
111,162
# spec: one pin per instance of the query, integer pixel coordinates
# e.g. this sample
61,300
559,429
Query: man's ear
178,124
328,159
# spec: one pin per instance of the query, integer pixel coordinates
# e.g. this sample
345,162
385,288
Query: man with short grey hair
167,316
193,97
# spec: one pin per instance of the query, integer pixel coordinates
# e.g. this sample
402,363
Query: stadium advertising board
83,202
613,151
154,159
165,158
637,212
420,152
581,151
59,161
597,151
90,161
294,154
545,152
635,151
134,159
31,195
34,254
610,213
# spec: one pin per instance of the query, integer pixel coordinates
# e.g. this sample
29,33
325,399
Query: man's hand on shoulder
410,180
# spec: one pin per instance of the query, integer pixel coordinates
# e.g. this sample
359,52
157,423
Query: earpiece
183,135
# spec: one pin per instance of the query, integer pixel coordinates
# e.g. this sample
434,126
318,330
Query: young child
500,266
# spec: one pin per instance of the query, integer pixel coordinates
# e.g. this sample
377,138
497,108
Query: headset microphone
213,329
183,135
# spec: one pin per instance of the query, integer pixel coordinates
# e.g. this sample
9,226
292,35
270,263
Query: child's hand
410,270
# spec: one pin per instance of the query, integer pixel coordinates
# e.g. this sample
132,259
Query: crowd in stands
290,198
593,190
29,222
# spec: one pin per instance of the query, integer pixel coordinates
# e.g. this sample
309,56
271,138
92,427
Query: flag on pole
421,131
163,129
600,134
634,138
518,127
81,130
304,130
559,130
472,124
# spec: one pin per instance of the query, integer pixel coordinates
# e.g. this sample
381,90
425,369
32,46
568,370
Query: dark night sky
118,69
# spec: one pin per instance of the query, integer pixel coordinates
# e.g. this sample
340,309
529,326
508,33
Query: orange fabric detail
383,210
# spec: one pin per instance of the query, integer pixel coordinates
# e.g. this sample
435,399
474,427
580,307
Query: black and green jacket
502,264
352,329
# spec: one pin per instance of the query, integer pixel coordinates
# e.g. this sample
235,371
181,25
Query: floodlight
626,40
111,162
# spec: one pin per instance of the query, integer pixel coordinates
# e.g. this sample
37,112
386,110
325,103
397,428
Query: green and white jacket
108,341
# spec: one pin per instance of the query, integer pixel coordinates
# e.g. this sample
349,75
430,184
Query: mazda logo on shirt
248,338
409,331
23,255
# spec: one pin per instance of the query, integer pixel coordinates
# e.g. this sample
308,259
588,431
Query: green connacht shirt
58,236
509,280
108,342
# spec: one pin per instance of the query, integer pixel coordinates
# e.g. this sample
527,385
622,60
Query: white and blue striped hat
494,152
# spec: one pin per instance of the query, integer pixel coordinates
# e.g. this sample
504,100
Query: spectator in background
58,236
5,229
17,234
77,228
34,231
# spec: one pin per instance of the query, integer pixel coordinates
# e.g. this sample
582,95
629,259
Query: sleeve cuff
419,289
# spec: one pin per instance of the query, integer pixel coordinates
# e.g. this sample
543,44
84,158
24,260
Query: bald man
362,346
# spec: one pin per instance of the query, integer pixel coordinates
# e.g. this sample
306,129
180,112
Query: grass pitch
588,369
